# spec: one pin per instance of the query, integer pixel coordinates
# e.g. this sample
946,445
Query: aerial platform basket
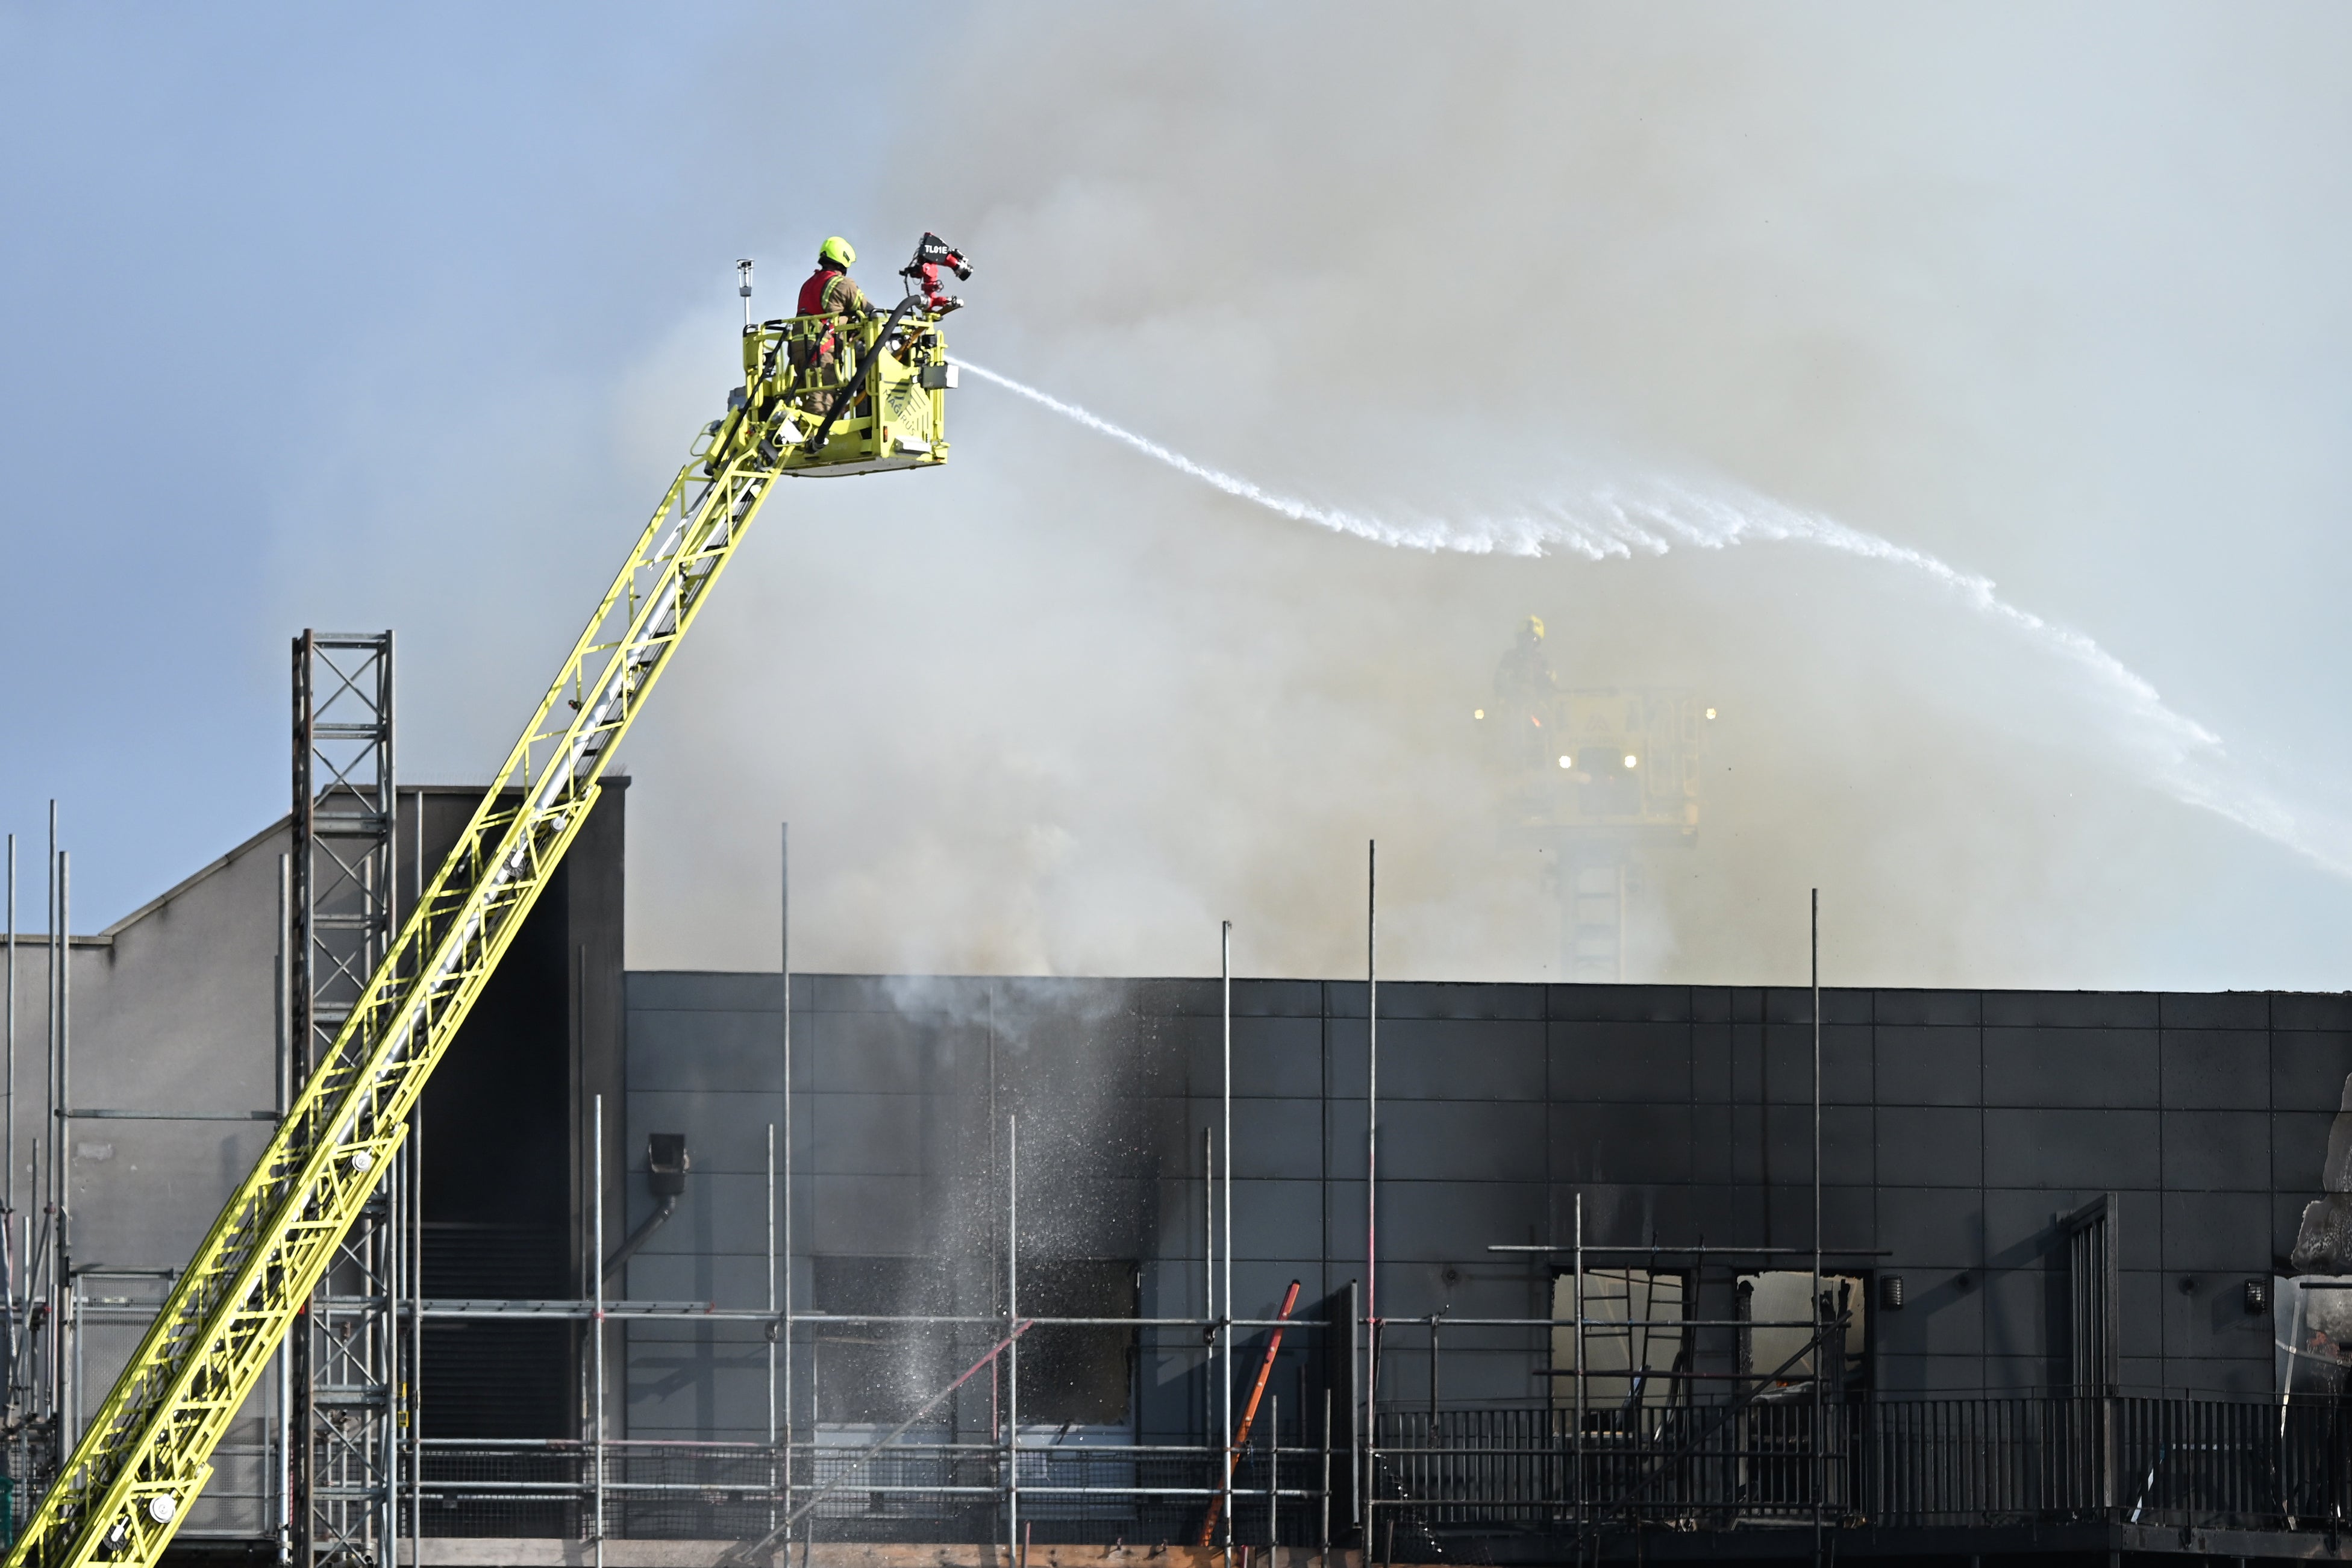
835,395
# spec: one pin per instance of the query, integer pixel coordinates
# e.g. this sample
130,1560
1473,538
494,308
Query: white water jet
2186,760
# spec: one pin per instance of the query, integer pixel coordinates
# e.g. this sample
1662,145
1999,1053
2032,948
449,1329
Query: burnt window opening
1634,1343
879,1373
1074,1375
1776,1345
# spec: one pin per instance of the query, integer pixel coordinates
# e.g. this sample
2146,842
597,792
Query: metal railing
1443,1478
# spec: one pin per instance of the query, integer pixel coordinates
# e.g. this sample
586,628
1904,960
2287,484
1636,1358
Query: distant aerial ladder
871,399
1596,775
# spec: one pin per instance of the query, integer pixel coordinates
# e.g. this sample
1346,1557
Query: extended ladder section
148,1451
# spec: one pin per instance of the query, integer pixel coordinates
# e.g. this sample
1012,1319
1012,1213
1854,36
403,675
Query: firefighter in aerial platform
1523,688
832,294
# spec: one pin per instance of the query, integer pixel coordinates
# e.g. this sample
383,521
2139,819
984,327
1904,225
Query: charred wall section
504,1126
1957,1128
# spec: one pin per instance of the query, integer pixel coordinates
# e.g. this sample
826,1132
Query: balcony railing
1445,1479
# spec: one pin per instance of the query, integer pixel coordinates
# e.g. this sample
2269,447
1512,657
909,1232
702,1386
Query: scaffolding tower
344,1389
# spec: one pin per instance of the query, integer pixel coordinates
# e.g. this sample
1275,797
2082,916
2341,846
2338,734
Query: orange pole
1249,1413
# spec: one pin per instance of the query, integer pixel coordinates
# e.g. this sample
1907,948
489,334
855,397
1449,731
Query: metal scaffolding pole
54,1126
8,1192
70,1333
596,1327
784,1179
1372,1187
1013,1349
282,1402
1820,1341
1224,1331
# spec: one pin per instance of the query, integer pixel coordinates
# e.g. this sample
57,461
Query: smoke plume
1609,289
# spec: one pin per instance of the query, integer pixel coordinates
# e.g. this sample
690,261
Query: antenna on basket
743,287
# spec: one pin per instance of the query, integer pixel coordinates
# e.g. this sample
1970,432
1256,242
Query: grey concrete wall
1955,1126
173,1011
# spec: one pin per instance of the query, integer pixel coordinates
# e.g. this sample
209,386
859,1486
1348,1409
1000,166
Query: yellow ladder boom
148,1451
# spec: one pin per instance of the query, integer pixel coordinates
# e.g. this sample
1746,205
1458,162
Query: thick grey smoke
1058,709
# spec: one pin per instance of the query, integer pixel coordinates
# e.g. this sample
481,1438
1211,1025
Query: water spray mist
2184,759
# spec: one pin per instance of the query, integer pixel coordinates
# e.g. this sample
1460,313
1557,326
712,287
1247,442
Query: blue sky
233,234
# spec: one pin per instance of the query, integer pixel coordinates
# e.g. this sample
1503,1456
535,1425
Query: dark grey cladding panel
1435,1140
1621,1061
1450,1060
2309,1070
1939,1319
2018,1313
1930,1146
1794,1005
1621,1142
2217,1069
2070,1010
1931,1227
2140,1311
2208,1321
2236,1379
1277,1139
697,1049
2020,1229
1277,1220
1343,1137
2214,1010
1633,1216
726,1280
1715,1154
1343,1225
1048,997
721,1214
2086,1067
1929,1065
860,1214
2018,1374
2074,1148
895,1134
1258,1287
2216,1150
1931,1008
2206,1232
712,990
1277,1057
1426,1000
1717,1004
2286,1219
1618,1004
1846,1066
2298,1150
1946,1375
1344,1058
1849,1218
898,993
2022,1224
1252,999
723,1132
885,1053
2311,1009
1445,1222
1105,1219
1849,1145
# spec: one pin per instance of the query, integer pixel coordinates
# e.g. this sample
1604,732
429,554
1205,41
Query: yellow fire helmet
838,251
